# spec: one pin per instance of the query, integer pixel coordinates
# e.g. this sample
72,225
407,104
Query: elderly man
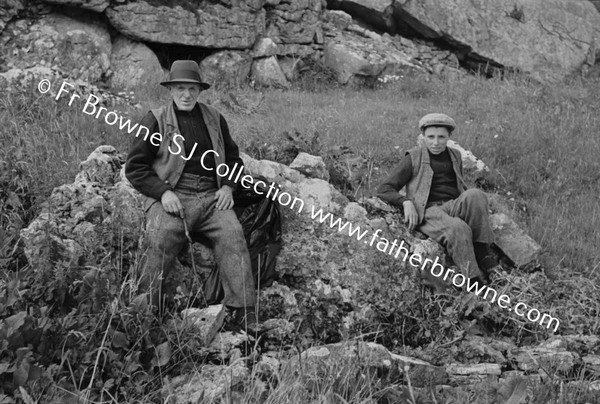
174,169
437,202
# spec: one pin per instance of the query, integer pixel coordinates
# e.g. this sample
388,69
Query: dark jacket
153,169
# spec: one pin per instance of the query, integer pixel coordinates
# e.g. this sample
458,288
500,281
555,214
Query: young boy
437,202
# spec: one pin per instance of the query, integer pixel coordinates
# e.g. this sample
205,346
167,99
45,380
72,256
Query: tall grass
540,142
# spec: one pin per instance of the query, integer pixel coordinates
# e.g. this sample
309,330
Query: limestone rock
81,49
290,67
73,218
546,38
94,5
294,21
373,355
352,56
377,13
470,162
133,64
212,26
207,321
513,241
592,363
100,166
264,47
226,344
336,19
311,166
208,385
267,73
548,358
8,10
355,213
226,68
468,374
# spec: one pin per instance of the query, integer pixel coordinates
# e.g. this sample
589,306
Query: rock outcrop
226,67
379,14
212,26
548,39
8,10
294,21
93,5
357,54
80,49
133,64
266,72
332,286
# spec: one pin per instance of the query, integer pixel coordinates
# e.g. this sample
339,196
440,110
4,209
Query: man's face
184,95
436,138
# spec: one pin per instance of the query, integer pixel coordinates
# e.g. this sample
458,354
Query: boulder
206,322
294,21
290,66
513,241
336,20
548,358
547,38
264,47
592,364
75,216
8,10
208,385
469,374
226,68
94,5
376,13
80,49
311,166
214,25
266,72
470,162
371,355
133,65
352,56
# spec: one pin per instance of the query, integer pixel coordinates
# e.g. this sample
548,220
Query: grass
540,142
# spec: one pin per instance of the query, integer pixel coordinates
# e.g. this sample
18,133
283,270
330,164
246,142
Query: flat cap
437,119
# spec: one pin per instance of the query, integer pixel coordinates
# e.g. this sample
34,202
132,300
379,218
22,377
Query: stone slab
208,321
519,247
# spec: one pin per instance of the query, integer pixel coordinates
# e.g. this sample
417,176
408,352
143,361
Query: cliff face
361,39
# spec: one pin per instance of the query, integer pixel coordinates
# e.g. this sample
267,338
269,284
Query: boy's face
185,95
436,138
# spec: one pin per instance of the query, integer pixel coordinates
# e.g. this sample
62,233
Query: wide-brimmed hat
185,71
437,119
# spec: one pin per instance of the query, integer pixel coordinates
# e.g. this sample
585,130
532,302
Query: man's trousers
457,224
166,238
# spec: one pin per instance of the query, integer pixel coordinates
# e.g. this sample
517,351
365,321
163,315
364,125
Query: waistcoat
169,166
419,185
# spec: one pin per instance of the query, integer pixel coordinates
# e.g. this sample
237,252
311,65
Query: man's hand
224,198
171,203
410,214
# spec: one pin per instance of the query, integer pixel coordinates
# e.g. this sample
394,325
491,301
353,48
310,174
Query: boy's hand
410,214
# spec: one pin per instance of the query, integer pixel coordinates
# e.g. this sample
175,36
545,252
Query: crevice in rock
405,25
167,53
414,29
